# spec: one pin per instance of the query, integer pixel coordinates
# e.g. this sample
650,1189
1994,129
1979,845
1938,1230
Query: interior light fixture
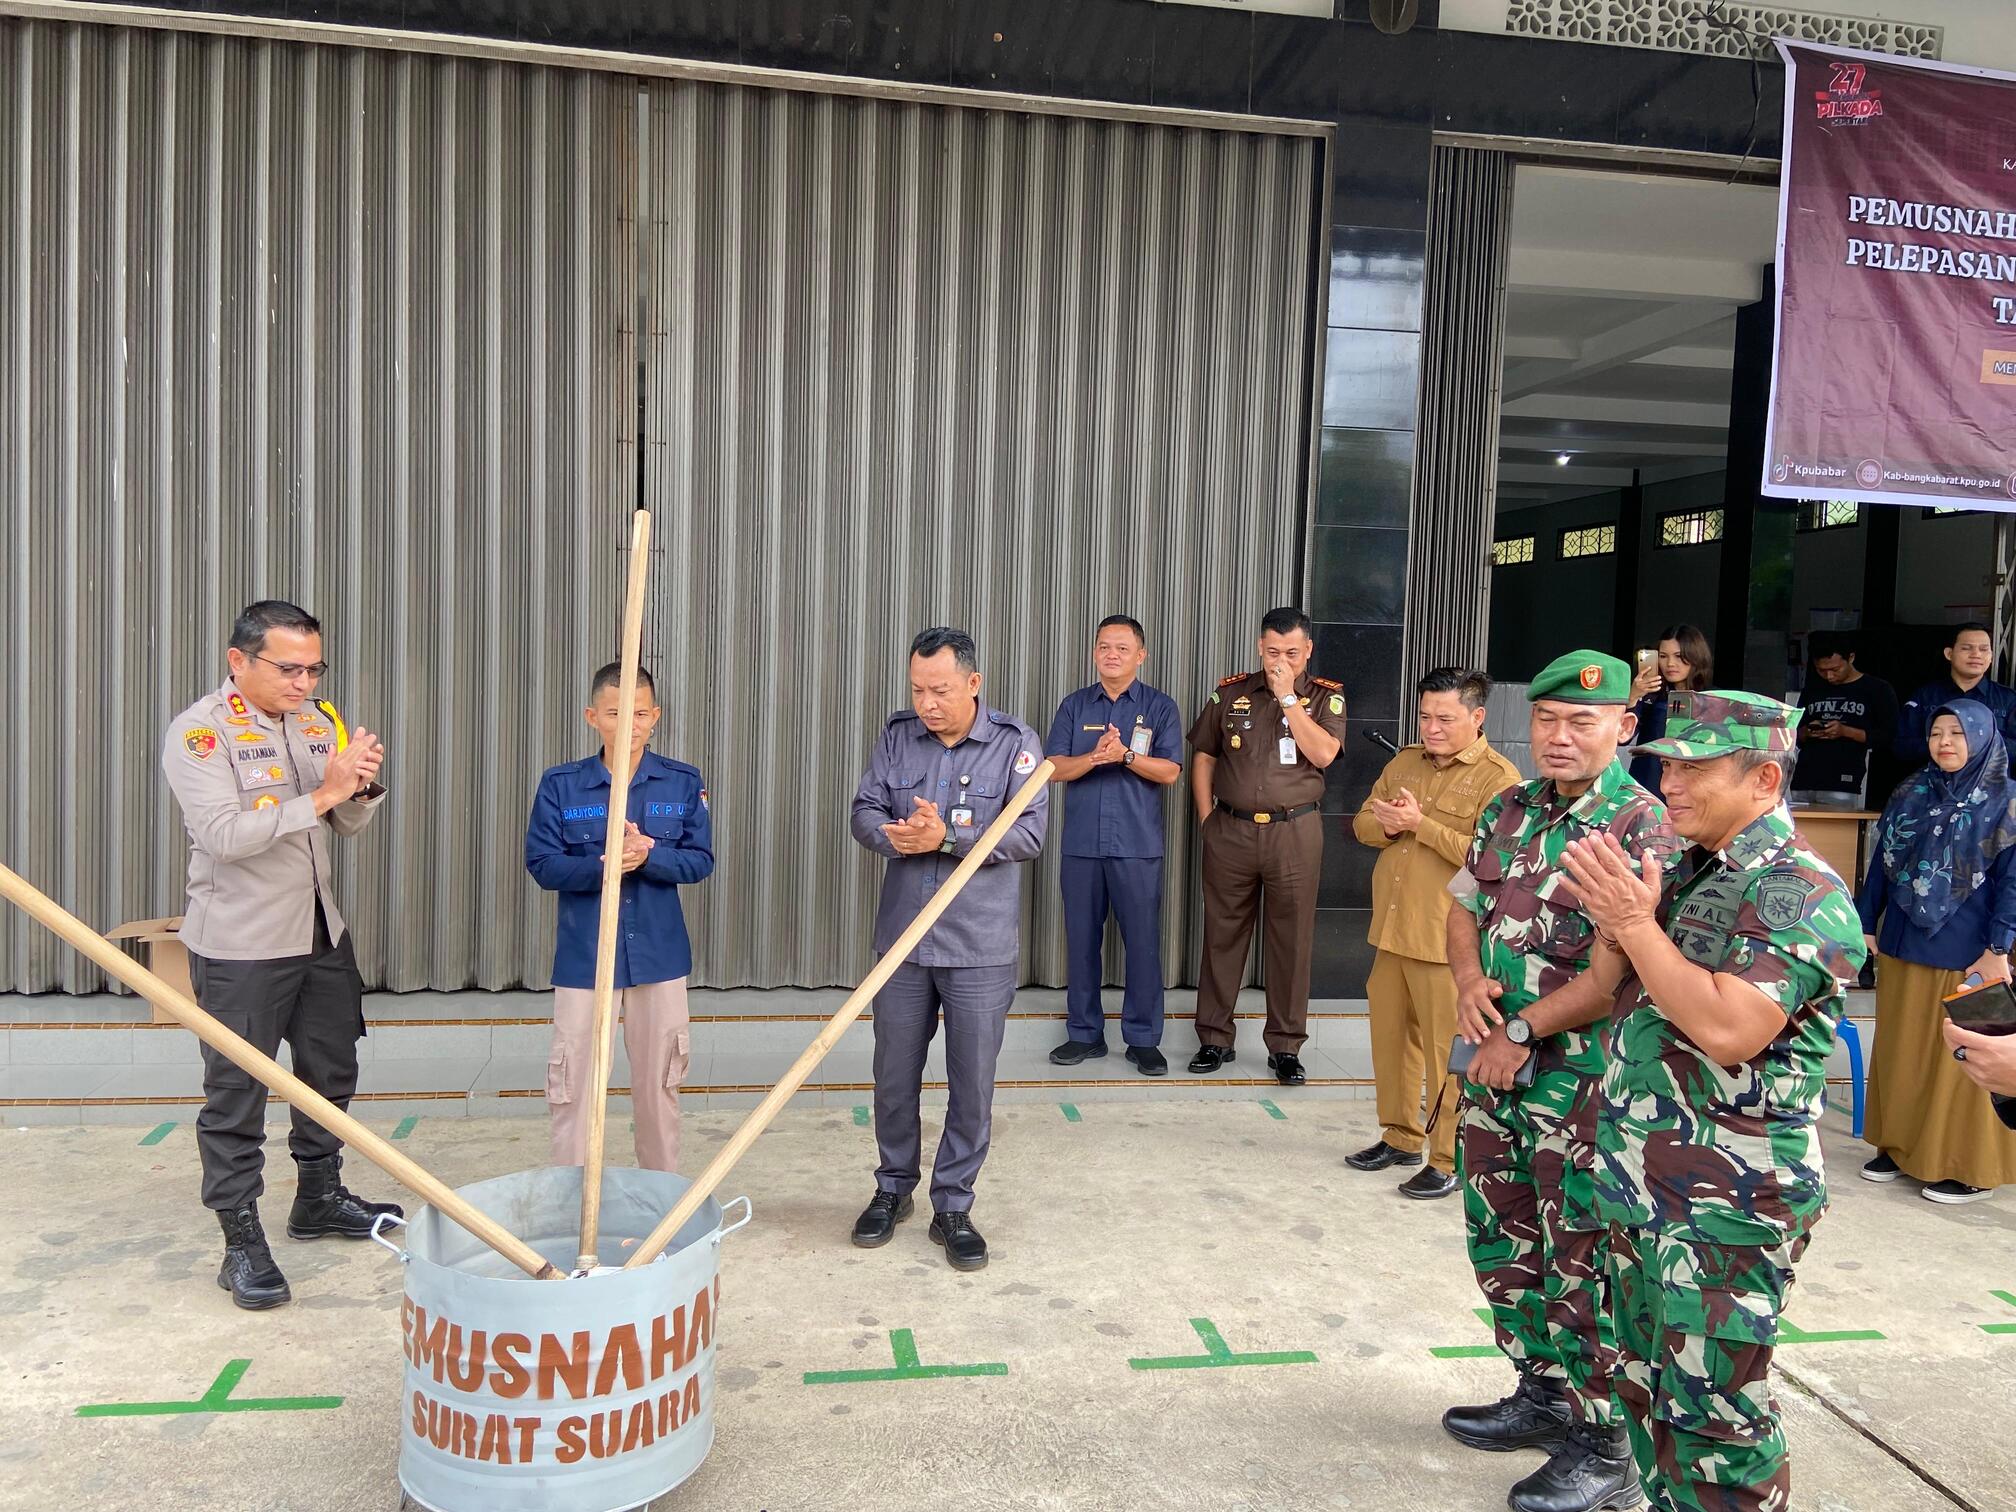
1561,459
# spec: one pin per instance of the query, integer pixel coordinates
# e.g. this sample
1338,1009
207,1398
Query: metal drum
589,1394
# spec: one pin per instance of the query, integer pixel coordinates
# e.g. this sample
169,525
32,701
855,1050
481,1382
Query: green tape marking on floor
903,1346
1272,1111
1789,1333
156,1134
216,1399
860,1118
405,1126
1467,1351
2000,1328
1217,1355
1070,1113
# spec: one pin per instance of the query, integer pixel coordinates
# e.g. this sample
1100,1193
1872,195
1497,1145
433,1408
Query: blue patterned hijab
1942,830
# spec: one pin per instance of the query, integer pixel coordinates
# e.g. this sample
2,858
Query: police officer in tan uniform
1262,743
262,773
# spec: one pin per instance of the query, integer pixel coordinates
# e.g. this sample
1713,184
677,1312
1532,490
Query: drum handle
748,1212
378,1235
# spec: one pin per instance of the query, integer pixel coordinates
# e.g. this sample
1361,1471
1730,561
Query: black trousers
316,1004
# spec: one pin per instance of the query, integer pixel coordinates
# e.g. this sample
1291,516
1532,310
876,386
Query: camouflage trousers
1539,1252
1696,1323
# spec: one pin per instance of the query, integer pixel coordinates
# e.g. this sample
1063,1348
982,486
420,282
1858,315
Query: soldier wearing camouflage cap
1519,948
1732,978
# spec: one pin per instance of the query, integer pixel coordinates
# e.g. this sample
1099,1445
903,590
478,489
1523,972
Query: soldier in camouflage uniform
1732,981
1519,948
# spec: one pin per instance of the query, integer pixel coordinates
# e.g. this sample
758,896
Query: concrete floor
1109,1234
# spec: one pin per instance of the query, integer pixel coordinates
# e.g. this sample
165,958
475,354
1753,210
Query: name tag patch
586,811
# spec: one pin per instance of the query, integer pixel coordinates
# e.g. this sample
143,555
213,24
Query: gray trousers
975,1001
315,1003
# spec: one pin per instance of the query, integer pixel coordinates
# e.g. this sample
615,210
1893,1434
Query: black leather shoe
1380,1156
1591,1470
248,1272
1071,1052
1209,1058
964,1248
1426,1185
1148,1060
1534,1416
878,1220
1287,1070
324,1206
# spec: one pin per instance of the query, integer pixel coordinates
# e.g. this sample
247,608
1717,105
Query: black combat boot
1535,1416
248,1272
1591,1470
324,1206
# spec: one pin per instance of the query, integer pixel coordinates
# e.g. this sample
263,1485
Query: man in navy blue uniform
1119,743
668,840
943,770
1970,652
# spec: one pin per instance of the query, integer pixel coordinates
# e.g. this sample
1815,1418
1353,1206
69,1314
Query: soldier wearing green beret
1731,979
1519,948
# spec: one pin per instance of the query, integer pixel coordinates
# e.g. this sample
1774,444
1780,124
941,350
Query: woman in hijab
1940,904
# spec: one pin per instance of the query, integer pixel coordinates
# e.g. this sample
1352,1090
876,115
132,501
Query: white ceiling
1620,323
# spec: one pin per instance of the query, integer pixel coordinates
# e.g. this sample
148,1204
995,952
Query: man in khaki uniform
1263,743
263,773
1420,817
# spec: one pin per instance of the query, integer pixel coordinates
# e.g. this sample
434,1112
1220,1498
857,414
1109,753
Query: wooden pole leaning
45,911
761,1116
612,896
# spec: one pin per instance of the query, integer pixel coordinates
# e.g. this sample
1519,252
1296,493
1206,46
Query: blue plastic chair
1852,1038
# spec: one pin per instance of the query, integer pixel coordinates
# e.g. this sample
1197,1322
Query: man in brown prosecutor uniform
1262,743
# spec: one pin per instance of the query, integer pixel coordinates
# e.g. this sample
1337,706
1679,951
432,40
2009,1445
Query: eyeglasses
292,670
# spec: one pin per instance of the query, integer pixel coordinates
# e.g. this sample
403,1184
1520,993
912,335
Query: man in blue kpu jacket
668,840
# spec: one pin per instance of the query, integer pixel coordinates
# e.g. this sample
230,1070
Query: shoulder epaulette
1324,682
1236,677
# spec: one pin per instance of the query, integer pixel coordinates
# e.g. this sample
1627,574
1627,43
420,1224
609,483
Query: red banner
1895,375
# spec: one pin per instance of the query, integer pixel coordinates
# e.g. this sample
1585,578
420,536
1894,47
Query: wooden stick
612,895
47,912
760,1118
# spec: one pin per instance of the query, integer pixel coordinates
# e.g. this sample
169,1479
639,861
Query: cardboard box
161,952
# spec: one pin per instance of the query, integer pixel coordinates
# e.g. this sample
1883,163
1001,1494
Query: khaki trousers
1413,1020
657,1036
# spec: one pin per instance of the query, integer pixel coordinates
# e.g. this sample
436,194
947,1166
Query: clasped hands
922,832
1398,815
636,847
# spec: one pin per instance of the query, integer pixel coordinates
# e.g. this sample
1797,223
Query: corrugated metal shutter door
915,364
346,327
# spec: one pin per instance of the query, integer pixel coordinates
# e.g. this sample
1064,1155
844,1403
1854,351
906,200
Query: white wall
1981,33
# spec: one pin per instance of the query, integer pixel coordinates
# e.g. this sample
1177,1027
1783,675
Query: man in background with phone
1846,714
1420,816
1519,947
1731,980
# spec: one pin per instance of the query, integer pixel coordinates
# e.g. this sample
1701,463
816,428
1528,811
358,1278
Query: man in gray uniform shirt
942,771
256,768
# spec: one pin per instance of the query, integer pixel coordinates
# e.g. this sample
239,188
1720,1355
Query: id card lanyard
961,817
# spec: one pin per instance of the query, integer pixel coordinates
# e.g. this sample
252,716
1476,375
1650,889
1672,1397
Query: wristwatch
1128,759
949,846
1291,701
1518,1032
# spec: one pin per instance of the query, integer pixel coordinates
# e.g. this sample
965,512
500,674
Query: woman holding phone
1682,662
1939,903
